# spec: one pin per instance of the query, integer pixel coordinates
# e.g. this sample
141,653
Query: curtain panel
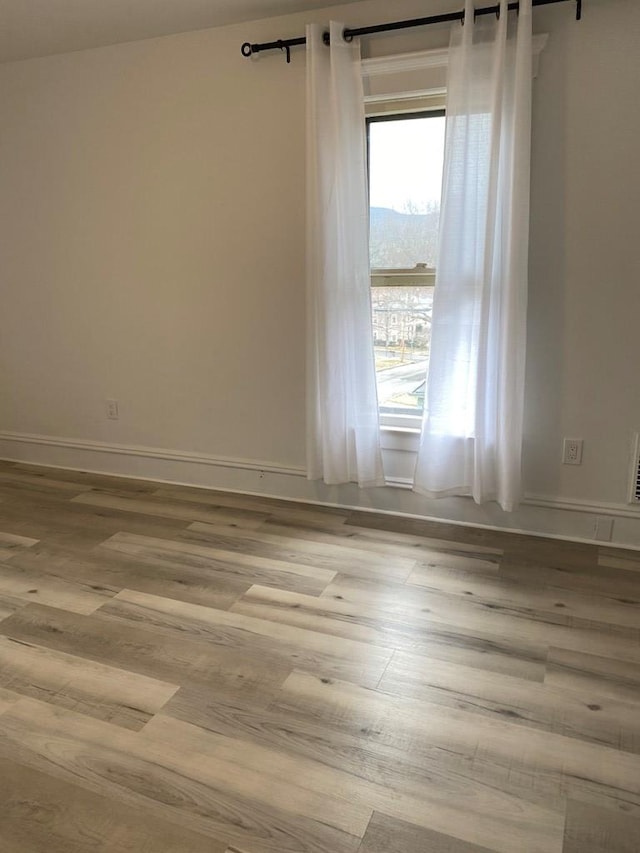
471,441
343,433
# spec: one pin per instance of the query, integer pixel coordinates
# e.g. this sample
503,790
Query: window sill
403,439
400,429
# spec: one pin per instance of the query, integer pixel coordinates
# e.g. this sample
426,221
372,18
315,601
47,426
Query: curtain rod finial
246,49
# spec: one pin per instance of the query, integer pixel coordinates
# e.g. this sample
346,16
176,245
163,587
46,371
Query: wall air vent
634,492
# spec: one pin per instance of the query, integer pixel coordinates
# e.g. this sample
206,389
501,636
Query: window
406,153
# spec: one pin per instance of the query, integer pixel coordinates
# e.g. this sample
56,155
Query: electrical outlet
572,451
112,410
603,529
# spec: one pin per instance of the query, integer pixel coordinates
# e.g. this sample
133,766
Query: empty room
319,426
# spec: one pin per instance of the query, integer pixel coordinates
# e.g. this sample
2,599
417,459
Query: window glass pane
405,178
402,334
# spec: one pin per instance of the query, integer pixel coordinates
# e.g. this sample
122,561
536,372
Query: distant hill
403,239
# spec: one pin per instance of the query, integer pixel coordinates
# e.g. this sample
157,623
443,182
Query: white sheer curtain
343,436
472,431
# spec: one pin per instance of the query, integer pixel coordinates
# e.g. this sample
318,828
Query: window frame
383,109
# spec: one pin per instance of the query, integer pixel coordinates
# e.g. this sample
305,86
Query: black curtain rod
248,49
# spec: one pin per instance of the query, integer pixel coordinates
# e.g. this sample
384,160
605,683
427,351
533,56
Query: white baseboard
559,518
158,453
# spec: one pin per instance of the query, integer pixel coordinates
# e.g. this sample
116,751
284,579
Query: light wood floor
184,671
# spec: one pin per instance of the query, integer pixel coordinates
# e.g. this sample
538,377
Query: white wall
152,242
585,265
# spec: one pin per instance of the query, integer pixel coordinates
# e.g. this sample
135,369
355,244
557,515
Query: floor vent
634,496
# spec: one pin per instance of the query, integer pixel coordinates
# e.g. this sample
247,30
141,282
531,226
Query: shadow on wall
547,269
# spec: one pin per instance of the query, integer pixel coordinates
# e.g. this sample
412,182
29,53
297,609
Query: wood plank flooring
190,671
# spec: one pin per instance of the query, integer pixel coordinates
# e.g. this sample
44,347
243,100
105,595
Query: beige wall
585,265
152,232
